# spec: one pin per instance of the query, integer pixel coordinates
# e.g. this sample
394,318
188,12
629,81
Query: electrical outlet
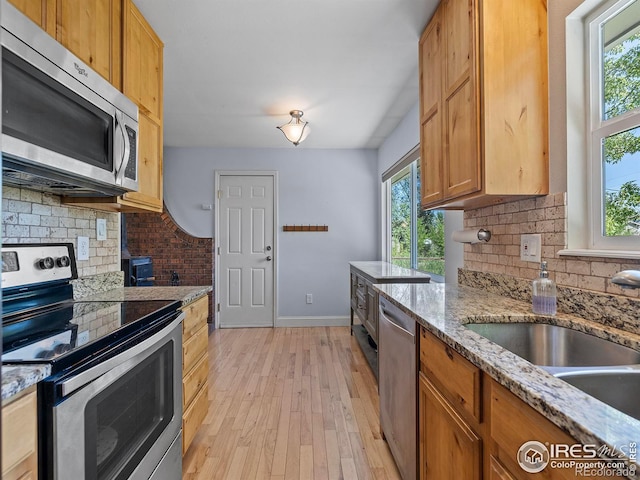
530,247
309,298
101,229
83,248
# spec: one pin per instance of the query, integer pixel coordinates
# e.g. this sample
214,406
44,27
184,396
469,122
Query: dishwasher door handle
403,331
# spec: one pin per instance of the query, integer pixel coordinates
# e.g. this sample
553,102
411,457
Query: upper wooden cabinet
149,194
113,37
142,75
42,12
91,29
431,138
484,103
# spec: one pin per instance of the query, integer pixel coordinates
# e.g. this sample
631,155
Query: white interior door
245,242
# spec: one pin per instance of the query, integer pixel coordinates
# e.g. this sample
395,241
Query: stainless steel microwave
65,129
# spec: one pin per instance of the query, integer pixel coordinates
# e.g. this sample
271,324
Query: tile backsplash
29,216
584,286
547,216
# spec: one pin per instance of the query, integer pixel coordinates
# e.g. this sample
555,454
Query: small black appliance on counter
138,272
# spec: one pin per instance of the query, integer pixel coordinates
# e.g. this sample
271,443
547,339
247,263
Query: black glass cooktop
68,333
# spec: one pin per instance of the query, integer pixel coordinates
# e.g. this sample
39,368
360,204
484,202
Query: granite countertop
185,294
387,271
20,377
443,309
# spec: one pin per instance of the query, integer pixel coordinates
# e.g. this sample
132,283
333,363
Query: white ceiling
233,69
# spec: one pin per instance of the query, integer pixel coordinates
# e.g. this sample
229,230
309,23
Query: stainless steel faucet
627,279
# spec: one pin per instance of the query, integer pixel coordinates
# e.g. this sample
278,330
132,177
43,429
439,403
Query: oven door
121,418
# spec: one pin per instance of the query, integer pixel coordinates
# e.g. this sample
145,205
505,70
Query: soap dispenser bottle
544,293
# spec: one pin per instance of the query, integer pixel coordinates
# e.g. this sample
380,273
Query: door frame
216,229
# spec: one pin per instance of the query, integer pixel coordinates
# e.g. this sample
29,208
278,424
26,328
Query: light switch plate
101,229
530,247
83,248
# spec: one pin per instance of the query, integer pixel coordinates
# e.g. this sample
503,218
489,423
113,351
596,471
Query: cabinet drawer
459,378
361,286
193,417
195,317
194,380
361,307
19,431
513,423
193,349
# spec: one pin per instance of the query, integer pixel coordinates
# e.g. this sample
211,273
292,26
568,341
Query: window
613,127
415,238
615,122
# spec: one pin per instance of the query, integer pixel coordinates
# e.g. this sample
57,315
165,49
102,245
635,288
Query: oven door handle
83,378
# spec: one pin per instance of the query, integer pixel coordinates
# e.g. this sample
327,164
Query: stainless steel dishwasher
397,386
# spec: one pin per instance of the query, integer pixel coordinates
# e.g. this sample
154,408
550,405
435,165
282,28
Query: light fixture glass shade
297,129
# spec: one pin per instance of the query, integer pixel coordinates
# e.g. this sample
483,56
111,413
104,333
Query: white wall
401,141
338,188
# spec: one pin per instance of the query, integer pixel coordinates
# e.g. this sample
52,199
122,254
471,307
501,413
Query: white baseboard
313,321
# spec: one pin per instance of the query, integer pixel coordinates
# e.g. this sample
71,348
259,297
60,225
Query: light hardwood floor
289,403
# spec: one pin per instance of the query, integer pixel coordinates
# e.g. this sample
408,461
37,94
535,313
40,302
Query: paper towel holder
484,235
471,236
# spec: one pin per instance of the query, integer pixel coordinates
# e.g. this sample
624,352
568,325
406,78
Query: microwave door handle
126,150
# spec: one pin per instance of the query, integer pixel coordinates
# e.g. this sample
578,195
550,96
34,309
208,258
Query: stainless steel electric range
112,406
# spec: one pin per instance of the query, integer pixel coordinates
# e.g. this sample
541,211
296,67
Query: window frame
599,129
585,130
408,165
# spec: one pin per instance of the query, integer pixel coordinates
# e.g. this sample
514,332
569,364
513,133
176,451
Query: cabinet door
431,181
149,194
497,471
142,83
449,449
142,75
19,438
92,30
42,12
460,122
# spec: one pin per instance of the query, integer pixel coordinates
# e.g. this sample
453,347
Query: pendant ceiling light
297,129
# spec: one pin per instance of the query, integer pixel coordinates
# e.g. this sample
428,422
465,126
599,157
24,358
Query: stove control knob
46,263
63,261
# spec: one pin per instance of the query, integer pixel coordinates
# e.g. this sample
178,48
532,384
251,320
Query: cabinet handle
361,285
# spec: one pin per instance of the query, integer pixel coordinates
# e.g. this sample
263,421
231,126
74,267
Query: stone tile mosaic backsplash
584,286
29,216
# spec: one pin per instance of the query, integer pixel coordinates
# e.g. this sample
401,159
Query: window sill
583,252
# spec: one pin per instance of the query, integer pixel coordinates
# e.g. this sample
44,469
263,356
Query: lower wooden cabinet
497,471
195,369
449,448
19,437
450,427
471,427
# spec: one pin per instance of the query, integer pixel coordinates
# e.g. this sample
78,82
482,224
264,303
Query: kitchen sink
555,346
617,387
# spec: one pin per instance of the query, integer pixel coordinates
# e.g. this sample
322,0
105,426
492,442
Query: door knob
269,258
268,248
